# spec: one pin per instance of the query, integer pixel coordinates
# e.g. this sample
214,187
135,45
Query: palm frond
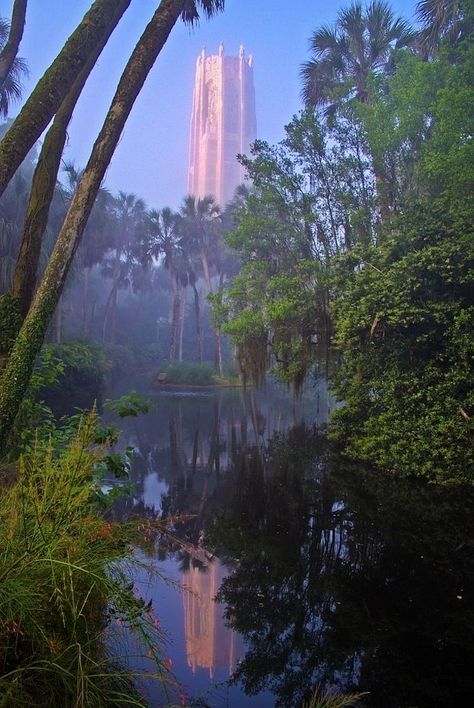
190,13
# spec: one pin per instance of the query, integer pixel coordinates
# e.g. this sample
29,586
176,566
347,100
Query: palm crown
362,41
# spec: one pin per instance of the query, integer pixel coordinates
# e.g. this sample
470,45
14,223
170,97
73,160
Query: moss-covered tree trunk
45,177
16,375
10,50
54,86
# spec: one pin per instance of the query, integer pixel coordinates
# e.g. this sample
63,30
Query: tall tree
201,219
128,210
10,48
361,42
17,374
54,86
162,237
45,177
344,56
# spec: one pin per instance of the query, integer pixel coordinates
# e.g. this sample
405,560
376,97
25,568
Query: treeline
357,242
26,313
140,276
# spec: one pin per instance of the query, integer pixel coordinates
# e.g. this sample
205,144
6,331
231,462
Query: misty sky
151,159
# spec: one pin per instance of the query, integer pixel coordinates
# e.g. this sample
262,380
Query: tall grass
326,699
64,584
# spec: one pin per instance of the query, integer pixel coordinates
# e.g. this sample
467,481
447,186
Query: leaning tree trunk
16,376
45,177
10,50
54,86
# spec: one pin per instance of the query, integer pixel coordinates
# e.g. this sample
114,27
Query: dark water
324,572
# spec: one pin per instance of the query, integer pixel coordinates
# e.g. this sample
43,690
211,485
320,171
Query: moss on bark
28,343
54,86
44,180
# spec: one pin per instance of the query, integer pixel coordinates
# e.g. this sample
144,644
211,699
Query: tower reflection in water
210,644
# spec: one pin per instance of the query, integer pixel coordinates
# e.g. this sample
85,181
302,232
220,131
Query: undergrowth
65,591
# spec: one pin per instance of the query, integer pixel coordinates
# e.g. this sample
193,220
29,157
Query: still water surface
297,568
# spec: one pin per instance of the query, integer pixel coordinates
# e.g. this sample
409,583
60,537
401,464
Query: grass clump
65,590
325,699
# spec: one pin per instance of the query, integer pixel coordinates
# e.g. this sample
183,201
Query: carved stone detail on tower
223,124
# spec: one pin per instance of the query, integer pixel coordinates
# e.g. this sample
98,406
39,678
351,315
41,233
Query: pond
296,568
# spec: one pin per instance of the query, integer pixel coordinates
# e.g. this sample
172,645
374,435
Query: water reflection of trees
337,575
346,579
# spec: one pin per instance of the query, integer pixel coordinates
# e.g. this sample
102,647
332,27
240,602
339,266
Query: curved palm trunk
44,180
54,86
16,376
10,50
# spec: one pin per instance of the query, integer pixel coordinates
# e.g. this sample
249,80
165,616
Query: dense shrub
404,326
184,372
84,371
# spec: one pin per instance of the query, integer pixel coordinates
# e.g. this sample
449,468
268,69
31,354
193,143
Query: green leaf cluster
404,321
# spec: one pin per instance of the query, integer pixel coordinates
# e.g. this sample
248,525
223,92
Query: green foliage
64,584
34,415
184,372
84,371
119,360
148,356
404,319
389,285
132,404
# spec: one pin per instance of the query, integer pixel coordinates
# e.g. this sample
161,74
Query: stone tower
223,124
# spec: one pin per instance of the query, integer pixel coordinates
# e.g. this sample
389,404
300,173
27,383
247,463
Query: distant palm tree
201,222
161,238
129,210
361,42
10,87
30,338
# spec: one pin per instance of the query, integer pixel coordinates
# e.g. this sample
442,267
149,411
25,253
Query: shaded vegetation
64,580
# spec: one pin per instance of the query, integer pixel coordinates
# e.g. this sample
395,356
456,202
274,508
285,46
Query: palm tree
163,238
10,84
201,222
129,211
361,42
44,182
9,48
344,57
440,19
55,85
16,376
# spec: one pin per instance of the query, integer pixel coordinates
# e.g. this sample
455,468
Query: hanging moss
10,321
